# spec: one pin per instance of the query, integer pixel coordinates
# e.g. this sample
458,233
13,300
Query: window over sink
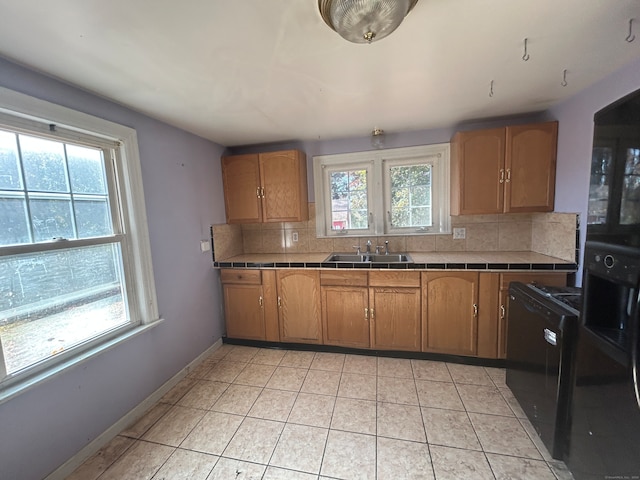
401,191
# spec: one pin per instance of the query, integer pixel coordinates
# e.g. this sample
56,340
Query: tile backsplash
551,234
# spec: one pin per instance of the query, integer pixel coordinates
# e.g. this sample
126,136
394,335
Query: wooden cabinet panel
451,312
238,275
530,163
488,301
345,316
243,308
396,318
299,306
394,279
353,279
241,182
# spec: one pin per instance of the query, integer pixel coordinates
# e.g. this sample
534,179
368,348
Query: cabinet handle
475,310
503,312
366,314
508,175
502,175
373,316
260,300
258,192
279,302
262,192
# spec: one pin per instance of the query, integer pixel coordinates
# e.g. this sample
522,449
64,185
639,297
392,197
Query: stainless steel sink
369,257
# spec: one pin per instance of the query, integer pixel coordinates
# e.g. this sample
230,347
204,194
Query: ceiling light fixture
363,21
377,138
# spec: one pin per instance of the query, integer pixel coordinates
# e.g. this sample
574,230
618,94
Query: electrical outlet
459,233
294,237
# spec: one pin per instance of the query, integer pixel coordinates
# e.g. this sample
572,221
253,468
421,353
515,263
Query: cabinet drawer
249,277
552,279
394,279
353,279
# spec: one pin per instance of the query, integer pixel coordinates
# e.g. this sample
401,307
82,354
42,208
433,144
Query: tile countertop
421,261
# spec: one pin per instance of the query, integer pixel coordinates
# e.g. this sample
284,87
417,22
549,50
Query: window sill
20,386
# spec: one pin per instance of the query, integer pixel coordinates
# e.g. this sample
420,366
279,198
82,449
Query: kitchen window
402,191
75,267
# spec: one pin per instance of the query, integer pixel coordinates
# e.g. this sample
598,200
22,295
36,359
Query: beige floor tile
510,468
201,370
349,455
187,465
242,354
399,459
355,385
498,375
255,374
203,394
394,367
174,427
472,374
483,399
229,469
364,364
297,359
237,399
313,410
321,382
269,356
178,391
503,435
95,465
560,470
513,403
273,405
333,362
225,371
300,448
397,390
456,464
287,378
147,421
140,462
438,395
221,352
535,438
403,422
254,441
213,433
275,473
450,428
429,370
353,415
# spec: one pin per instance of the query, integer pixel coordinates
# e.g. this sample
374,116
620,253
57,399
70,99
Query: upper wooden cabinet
266,187
504,170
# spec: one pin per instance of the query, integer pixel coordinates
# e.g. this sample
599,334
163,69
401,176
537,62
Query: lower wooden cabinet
299,305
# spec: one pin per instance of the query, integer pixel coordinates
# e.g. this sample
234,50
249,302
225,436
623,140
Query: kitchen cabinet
266,187
395,310
451,304
345,309
504,170
249,304
298,300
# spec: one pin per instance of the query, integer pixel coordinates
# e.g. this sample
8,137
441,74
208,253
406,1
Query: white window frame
22,113
379,189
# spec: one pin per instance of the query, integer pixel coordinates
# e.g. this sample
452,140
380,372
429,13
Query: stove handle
635,315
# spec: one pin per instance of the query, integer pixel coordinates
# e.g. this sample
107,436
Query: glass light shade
364,21
377,138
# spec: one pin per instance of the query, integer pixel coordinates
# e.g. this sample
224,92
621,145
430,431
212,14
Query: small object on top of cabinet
266,187
504,170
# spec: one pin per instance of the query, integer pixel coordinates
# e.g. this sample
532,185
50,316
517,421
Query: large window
75,270
400,191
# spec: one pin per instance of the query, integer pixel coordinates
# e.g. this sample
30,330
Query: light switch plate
205,246
459,233
294,237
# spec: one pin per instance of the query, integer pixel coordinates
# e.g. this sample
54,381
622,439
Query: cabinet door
241,181
477,172
395,318
530,163
243,308
284,180
345,316
299,306
452,312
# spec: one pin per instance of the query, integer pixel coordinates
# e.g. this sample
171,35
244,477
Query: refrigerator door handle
635,316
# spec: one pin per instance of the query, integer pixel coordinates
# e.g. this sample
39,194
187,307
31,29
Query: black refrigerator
605,414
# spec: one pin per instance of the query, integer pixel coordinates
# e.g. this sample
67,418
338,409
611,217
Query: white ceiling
243,72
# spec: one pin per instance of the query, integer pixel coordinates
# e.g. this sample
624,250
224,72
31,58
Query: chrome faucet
368,246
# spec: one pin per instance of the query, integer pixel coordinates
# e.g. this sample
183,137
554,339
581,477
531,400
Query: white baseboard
132,416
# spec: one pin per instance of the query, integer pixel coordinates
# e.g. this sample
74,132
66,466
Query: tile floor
249,413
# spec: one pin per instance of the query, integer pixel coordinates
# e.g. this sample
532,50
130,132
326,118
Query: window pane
51,218
52,301
349,209
410,189
92,218
44,164
630,202
86,170
10,177
13,221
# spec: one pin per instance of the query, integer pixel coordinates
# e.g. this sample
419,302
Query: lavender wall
45,426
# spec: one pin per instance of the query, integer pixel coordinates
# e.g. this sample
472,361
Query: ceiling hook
631,37
526,56
564,78
491,89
